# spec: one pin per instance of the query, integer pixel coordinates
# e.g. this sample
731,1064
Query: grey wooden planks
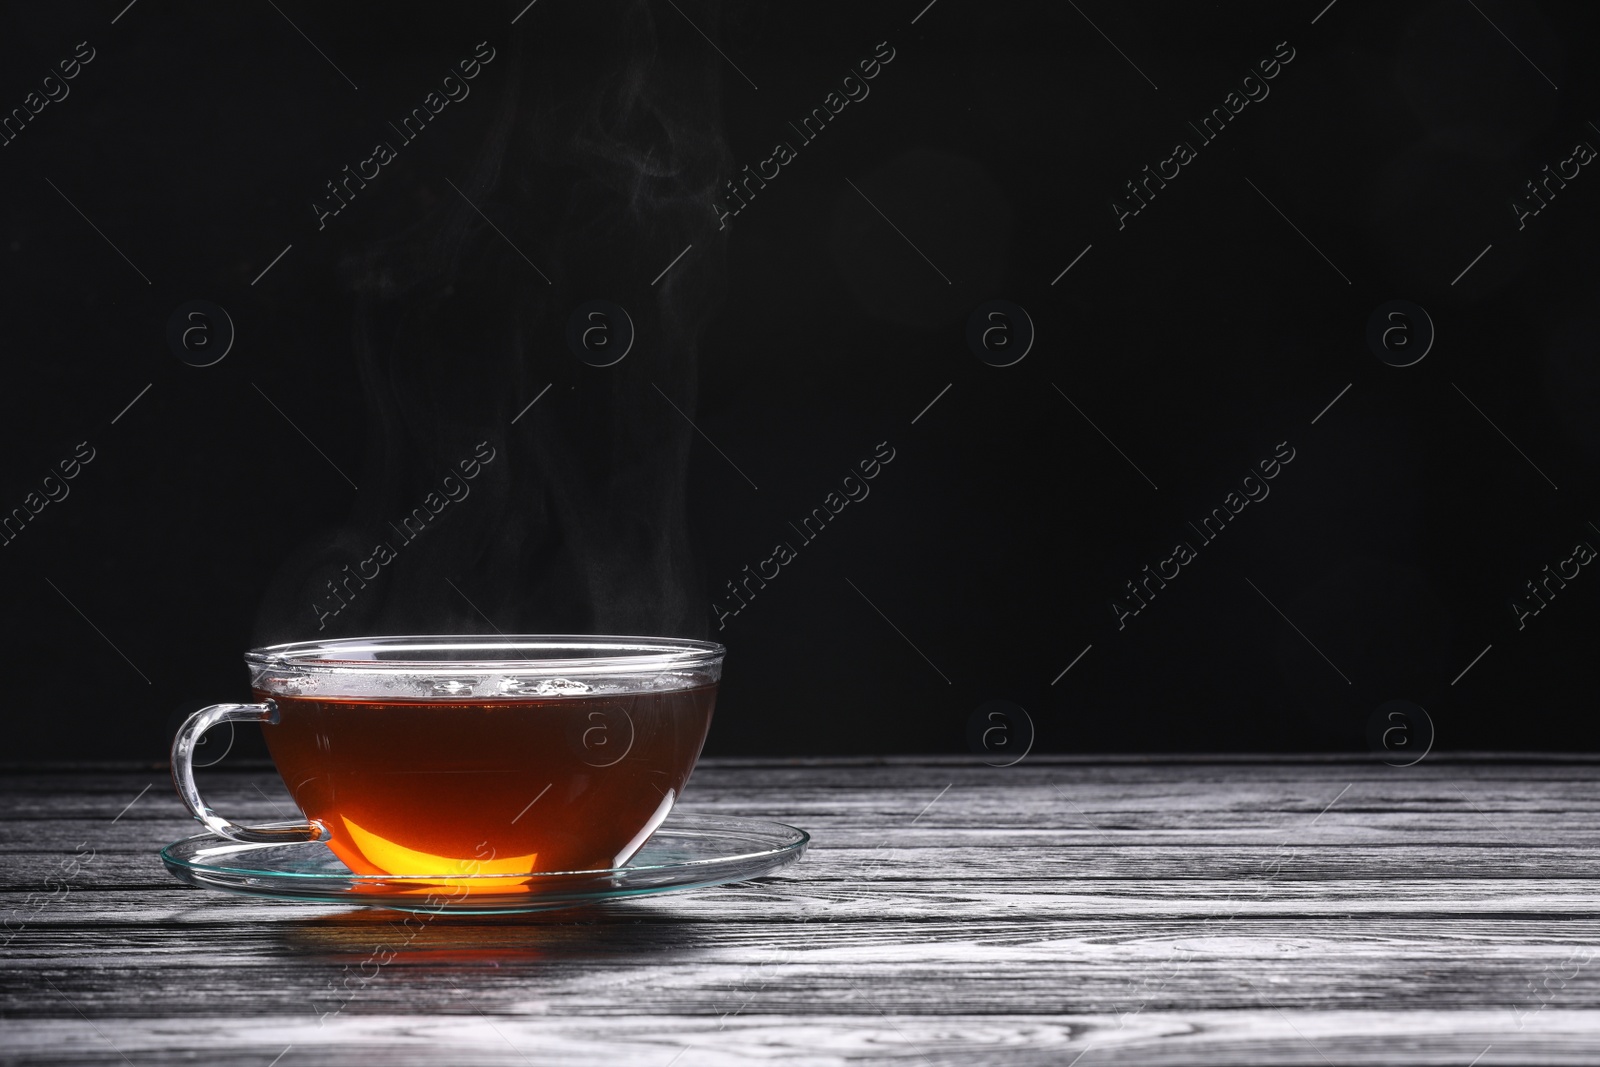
1446,1039
1186,912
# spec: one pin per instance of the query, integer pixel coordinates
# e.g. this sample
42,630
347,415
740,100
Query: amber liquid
487,787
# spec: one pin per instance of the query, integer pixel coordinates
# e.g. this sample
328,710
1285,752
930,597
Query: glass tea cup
474,755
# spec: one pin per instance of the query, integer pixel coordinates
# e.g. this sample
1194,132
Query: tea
476,786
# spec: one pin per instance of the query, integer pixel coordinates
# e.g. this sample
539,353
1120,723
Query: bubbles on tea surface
544,687
448,687
351,684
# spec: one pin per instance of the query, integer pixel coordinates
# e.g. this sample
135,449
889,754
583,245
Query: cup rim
612,654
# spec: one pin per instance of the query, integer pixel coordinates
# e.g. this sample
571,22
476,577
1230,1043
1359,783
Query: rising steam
600,164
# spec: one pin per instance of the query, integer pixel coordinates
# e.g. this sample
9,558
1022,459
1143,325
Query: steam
600,164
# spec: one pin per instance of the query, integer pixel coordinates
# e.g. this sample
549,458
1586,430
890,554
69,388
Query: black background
1218,322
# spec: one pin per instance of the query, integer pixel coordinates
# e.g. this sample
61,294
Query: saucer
689,851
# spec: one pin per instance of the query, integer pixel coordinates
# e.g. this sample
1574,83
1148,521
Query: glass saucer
689,851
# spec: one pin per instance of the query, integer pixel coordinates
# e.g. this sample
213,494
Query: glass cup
471,755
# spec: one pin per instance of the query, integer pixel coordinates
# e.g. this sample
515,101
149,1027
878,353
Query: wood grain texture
1231,912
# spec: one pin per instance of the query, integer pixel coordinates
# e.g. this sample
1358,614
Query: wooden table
1057,912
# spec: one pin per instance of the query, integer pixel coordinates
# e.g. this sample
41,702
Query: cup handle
183,745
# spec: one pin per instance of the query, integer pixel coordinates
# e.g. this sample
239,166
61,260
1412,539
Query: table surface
1056,912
